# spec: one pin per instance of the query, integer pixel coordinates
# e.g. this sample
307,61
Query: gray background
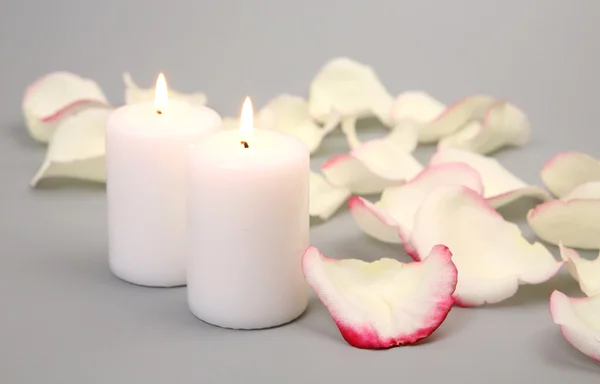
65,319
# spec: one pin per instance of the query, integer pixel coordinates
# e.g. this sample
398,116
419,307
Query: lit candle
248,225
145,180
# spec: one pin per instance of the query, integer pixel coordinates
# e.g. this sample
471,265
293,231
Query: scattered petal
405,134
77,148
455,117
325,199
416,106
567,170
55,96
396,209
371,167
586,272
491,255
135,94
503,125
573,219
349,89
385,303
579,320
500,186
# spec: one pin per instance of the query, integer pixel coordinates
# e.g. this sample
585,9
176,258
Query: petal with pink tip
572,219
384,303
396,209
77,148
454,118
579,321
55,96
349,89
586,272
500,186
503,125
371,167
325,199
491,255
135,94
567,170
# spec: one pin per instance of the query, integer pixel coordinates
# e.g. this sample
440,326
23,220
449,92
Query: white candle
146,147
248,226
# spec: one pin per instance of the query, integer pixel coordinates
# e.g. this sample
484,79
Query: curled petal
586,272
572,219
385,303
325,199
454,118
567,170
55,96
503,125
579,321
404,134
77,148
500,186
371,167
135,94
349,89
416,106
395,211
491,255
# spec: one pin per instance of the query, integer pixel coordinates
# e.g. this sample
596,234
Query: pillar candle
145,180
248,213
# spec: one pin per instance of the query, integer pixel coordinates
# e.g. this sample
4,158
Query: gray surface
65,319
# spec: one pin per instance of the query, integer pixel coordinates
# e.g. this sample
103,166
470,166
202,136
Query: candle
145,181
248,224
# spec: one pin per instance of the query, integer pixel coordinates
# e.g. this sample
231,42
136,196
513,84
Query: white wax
145,172
248,226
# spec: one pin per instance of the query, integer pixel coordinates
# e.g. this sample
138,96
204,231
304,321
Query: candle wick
159,112
245,144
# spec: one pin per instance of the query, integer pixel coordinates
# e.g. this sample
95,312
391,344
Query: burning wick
159,112
245,144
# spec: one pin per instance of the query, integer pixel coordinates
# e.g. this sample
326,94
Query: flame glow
247,118
161,94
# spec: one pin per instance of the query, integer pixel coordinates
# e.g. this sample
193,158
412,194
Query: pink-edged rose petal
586,272
384,303
325,199
371,167
500,186
491,255
454,118
394,212
77,148
567,170
347,88
579,321
573,219
503,125
135,94
55,96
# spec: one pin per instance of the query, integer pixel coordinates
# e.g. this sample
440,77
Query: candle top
181,118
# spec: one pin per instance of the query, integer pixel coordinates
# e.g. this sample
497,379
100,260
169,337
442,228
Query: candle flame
247,118
161,94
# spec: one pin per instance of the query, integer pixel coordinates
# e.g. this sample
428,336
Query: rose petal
490,254
416,106
55,96
503,125
371,167
586,272
579,320
567,170
385,303
325,199
349,89
135,94
574,219
404,134
77,148
455,117
500,186
396,209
